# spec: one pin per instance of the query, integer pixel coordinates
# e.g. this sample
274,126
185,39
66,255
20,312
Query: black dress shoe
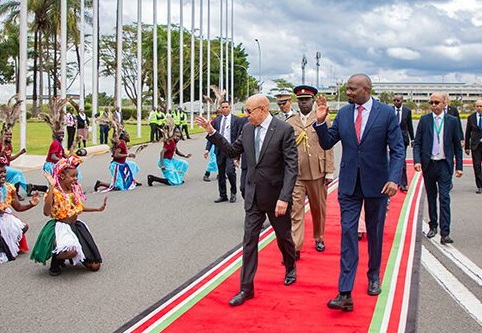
96,186
341,302
55,263
479,191
446,240
403,188
320,246
29,190
290,277
432,232
232,199
374,288
206,178
241,297
220,199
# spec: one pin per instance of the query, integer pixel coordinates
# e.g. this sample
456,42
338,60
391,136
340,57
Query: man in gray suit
269,147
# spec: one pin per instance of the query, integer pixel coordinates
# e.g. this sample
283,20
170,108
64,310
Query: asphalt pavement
154,239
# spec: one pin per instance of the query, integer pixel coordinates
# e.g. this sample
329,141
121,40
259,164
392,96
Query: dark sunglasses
248,111
434,102
282,102
397,100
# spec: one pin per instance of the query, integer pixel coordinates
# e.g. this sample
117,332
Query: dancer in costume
65,236
172,168
12,230
8,116
123,172
56,120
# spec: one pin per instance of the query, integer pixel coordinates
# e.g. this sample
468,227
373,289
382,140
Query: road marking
465,264
452,286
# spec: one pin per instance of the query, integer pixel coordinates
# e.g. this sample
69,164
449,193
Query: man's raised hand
321,109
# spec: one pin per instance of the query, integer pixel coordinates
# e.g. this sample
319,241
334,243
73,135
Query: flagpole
208,71
193,13
139,67
154,55
201,57
181,54
119,56
169,62
95,68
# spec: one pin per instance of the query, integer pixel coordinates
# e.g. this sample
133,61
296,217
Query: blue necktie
480,121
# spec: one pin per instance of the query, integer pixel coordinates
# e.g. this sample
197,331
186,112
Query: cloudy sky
392,41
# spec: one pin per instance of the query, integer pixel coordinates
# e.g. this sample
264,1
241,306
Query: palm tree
45,27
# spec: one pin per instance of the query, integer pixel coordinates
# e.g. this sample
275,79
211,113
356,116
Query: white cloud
403,53
392,40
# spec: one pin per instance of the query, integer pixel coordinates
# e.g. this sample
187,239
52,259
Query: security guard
283,99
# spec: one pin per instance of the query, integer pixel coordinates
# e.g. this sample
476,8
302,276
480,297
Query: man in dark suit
229,126
269,147
436,144
404,116
368,175
473,142
452,110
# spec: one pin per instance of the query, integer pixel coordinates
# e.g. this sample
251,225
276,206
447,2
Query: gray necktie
257,142
223,125
398,115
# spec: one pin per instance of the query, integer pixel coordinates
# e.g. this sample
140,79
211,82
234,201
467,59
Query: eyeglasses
248,111
282,102
434,102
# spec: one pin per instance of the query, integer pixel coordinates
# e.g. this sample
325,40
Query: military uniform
314,164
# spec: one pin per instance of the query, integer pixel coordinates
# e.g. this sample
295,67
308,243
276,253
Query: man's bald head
257,109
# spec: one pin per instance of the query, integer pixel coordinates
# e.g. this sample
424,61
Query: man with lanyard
436,145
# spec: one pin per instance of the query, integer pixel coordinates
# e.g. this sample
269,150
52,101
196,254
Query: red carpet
203,305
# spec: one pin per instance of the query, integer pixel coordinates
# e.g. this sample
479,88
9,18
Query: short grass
39,136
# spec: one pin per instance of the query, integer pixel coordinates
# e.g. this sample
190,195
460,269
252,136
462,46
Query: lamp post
318,57
259,64
303,66
247,79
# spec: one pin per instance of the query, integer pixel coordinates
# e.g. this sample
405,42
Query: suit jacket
473,134
422,146
235,127
273,177
369,158
406,125
313,161
452,110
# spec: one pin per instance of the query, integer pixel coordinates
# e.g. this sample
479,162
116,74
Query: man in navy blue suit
370,171
436,144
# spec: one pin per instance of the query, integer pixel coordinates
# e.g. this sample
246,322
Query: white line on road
453,286
465,264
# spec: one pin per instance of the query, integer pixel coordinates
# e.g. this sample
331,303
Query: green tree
386,97
282,84
8,53
45,28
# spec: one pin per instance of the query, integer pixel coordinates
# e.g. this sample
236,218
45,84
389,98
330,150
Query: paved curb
32,162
